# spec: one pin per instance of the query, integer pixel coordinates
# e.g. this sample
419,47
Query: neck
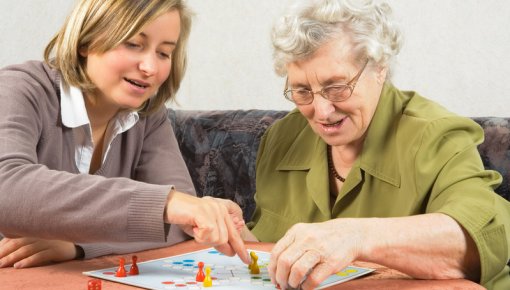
99,113
347,154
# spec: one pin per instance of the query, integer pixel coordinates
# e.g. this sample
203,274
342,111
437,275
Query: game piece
94,284
254,266
200,274
121,271
134,267
207,279
227,273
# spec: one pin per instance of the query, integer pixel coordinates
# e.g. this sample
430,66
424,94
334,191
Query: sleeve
449,163
53,204
161,162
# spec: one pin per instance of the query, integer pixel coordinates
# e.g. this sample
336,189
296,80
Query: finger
317,275
187,229
278,248
285,263
17,255
205,227
302,267
5,249
222,223
37,259
8,246
236,242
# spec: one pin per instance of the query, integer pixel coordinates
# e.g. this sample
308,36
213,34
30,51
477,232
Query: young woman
89,164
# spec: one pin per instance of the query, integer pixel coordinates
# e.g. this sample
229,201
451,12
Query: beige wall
455,51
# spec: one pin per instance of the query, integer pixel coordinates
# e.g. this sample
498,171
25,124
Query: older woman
364,171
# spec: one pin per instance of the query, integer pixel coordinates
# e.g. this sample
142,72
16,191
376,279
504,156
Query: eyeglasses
334,93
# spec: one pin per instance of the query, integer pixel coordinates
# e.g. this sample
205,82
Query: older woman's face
337,123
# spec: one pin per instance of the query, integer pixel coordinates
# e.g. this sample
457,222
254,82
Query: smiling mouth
333,124
143,86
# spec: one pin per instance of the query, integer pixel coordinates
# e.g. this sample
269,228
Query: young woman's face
129,74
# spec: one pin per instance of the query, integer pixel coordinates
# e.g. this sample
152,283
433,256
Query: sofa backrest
220,149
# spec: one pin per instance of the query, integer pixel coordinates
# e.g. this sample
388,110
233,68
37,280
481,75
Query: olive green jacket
417,158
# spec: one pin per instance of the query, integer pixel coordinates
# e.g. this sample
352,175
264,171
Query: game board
228,273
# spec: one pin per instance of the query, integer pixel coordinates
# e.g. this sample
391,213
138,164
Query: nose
322,106
148,64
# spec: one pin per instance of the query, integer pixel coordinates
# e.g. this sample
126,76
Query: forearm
430,246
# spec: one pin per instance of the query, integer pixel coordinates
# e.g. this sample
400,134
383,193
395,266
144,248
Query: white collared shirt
74,115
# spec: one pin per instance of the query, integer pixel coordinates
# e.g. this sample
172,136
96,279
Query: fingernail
18,265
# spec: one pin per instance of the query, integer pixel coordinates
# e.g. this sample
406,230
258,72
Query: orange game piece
121,271
94,284
134,267
200,274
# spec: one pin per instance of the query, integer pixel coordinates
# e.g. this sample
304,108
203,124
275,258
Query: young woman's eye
129,44
164,54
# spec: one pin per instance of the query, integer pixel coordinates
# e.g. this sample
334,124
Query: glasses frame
351,85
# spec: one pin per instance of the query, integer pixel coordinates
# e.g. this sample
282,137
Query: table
68,275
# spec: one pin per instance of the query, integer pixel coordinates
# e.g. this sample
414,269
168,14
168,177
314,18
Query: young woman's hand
31,252
213,221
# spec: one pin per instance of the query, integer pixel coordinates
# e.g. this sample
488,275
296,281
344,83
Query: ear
83,51
381,74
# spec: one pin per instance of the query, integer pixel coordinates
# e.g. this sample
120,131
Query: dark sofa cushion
495,150
220,149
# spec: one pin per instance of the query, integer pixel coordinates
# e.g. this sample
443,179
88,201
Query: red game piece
94,284
200,275
134,267
121,271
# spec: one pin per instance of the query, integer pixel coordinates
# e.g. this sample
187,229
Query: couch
220,149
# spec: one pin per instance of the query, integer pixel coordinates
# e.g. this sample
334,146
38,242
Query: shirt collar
72,106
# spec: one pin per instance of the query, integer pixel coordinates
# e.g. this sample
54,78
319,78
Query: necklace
332,167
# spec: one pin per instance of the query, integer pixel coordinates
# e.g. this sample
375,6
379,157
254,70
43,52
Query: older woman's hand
309,253
32,252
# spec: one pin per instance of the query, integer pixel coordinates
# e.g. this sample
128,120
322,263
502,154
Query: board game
227,273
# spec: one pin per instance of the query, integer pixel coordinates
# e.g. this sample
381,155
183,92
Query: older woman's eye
301,93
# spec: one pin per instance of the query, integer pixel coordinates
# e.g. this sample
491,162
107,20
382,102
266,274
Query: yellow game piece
207,280
254,266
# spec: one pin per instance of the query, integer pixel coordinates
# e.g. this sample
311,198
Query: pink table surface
68,275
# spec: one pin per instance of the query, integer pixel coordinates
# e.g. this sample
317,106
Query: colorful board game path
227,273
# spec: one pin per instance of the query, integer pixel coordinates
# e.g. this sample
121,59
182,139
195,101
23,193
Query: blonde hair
100,25
366,24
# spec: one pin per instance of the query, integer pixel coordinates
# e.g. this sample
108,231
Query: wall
455,51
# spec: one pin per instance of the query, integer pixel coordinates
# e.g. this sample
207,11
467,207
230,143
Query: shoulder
30,86
154,121
280,136
31,79
424,127
437,123
287,129
36,71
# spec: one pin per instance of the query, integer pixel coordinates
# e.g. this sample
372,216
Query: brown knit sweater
42,194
